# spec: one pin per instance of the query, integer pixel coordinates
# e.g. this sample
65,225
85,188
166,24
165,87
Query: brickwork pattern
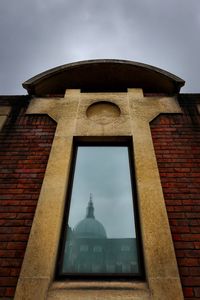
177,146
25,144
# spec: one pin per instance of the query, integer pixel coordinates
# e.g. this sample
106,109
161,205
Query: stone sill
64,290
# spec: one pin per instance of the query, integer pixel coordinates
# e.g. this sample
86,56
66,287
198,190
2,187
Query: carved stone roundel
103,112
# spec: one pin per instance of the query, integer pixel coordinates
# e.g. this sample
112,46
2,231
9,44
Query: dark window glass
101,235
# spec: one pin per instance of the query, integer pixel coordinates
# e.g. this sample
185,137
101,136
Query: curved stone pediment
103,75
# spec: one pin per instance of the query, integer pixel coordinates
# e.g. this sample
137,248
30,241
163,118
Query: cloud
38,35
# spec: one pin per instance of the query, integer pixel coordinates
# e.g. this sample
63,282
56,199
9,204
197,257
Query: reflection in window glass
100,235
84,248
97,248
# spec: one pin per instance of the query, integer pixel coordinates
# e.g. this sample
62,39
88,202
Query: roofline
33,81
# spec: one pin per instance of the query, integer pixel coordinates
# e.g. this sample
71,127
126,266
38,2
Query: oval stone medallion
103,112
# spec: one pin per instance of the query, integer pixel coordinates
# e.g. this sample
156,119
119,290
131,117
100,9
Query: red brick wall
25,144
177,146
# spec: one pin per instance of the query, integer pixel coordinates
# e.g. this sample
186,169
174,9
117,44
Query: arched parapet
103,75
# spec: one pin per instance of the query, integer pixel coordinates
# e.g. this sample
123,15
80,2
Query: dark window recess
101,229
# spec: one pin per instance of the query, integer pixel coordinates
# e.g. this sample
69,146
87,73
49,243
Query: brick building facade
29,127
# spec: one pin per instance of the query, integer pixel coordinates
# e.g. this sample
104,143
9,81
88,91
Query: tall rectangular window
101,232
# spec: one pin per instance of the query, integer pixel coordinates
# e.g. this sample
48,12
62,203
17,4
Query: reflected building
89,250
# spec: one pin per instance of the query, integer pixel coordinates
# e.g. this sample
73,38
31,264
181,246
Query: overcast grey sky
36,35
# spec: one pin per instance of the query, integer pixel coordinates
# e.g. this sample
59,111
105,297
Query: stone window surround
36,279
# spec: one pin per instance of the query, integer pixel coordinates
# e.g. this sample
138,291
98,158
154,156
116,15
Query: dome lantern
89,227
90,208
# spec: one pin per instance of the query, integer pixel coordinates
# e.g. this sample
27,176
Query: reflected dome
90,227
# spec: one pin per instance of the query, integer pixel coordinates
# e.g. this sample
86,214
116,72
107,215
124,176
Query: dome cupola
89,227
